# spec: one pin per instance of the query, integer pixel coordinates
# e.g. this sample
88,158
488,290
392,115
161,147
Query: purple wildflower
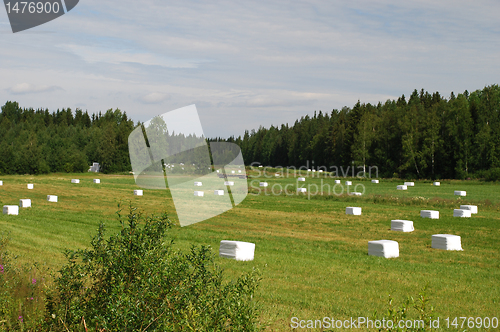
33,281
1,268
20,318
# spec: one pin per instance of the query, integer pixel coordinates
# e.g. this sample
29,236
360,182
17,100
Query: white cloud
154,98
26,88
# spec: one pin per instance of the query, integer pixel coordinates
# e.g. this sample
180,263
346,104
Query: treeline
426,136
37,141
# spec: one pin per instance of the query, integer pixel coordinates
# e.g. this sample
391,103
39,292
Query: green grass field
312,256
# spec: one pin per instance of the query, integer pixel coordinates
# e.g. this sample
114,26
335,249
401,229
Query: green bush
136,281
493,174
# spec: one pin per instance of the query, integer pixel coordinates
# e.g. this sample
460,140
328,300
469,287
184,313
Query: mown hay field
312,256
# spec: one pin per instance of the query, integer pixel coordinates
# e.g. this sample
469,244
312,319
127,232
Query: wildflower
33,281
20,318
1,268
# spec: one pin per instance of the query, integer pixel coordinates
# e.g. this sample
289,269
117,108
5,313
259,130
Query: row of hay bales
390,248
26,202
242,251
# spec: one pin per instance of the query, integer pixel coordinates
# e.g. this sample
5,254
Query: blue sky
246,64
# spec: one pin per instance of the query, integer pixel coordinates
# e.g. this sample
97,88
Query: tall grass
22,292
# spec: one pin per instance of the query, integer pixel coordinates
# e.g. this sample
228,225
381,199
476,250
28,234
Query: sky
246,64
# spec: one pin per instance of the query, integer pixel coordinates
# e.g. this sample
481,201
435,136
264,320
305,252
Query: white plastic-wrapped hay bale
437,183
301,179
337,182
240,251
460,193
462,213
232,172
401,187
75,181
97,180
25,203
198,193
402,225
239,171
30,186
356,211
409,184
229,183
198,184
301,190
138,192
52,198
1,183
12,210
429,214
446,242
263,184
308,169
383,248
354,193
219,192
472,208
375,181
277,174
348,183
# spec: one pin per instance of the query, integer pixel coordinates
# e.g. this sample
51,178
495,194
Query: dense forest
426,136
37,141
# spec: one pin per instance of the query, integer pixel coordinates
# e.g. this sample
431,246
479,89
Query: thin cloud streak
26,88
95,54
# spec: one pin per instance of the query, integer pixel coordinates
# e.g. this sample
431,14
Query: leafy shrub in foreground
135,281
